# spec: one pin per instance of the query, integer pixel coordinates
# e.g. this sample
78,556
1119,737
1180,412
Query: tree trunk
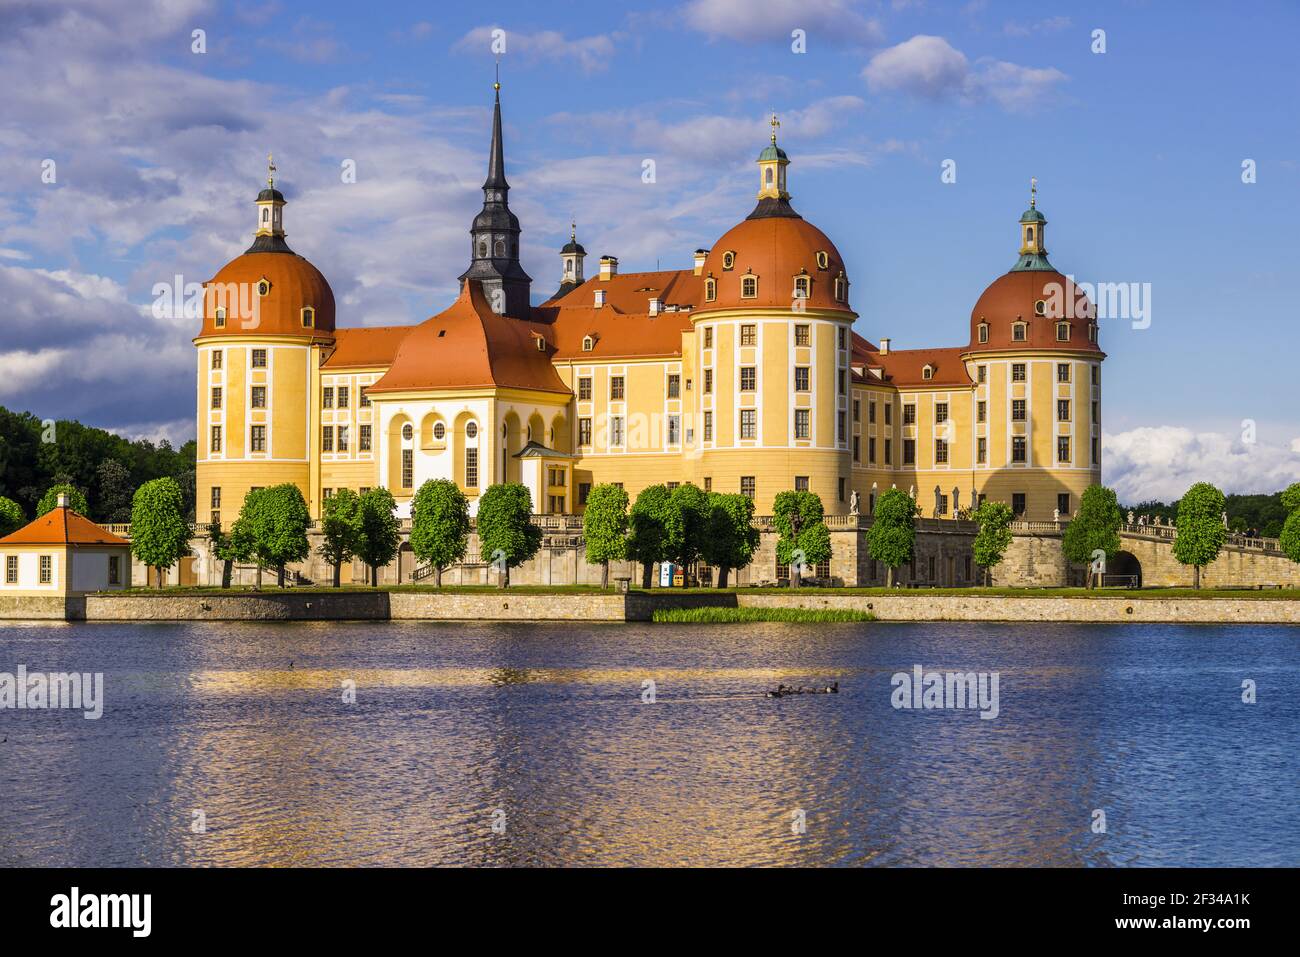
889,576
279,576
504,577
338,574
374,576
437,577
794,576
647,574
226,568
604,575
259,576
722,576
1196,576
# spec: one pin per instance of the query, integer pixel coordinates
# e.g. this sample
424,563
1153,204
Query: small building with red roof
63,554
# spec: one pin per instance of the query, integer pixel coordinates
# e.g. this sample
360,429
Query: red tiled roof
903,367
63,526
366,346
623,326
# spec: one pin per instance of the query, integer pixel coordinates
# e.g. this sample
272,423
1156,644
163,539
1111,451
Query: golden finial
573,230
270,172
775,125
1033,192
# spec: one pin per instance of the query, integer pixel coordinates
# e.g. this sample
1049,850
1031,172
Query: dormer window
927,372
588,343
728,260
1018,332
541,344
710,290
841,288
983,332
823,259
1040,308
748,287
263,287
219,317
1062,332
308,317
802,286
1092,332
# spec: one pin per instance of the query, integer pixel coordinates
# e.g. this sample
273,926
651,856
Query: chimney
63,500
600,293
700,256
608,267
654,307
884,346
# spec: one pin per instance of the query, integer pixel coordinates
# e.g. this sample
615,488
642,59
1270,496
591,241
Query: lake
517,744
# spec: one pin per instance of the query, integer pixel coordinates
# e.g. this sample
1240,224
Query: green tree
1200,534
730,538
692,504
804,538
1291,498
228,549
506,533
1289,540
50,500
604,525
340,526
893,531
656,529
11,516
160,536
274,520
381,535
116,492
1096,528
439,525
994,537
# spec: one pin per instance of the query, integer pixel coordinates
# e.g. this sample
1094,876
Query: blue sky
1138,152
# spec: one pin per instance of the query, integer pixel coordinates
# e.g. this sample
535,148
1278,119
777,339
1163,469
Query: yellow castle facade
742,373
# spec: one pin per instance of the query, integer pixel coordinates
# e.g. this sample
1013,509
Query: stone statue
1130,516
853,502
1225,519
1056,515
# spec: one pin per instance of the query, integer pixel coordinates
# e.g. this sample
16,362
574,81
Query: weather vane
775,125
270,172
1033,192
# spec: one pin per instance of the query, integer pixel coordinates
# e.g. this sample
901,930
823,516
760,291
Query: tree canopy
1200,534
604,526
50,500
381,534
160,536
804,538
692,505
994,535
730,538
893,530
506,533
341,529
656,529
274,521
439,525
11,516
1095,528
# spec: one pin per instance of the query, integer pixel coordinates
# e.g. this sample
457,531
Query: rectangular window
857,448
981,411
748,287
674,386
1063,448
708,483
1017,372
871,450
1063,410
258,397
216,359
889,450
408,468
871,412
839,427
47,569
889,409
327,493
1096,412
216,438
940,508
801,483
616,430
801,337
557,504
363,398
363,438
1096,452
983,373
343,438
840,379
327,438
940,452
616,387
708,426
748,423
857,410
800,378
1018,503
748,335
1063,372
748,378
841,489
909,451
216,397
1062,332
708,381
343,397
584,389
259,359
1018,448
214,497
747,486
327,397
584,431
909,413
11,569
584,490
555,477
1018,408
941,412
674,429
1018,332
1096,375
1063,504
115,569
708,337
801,425
981,450
258,438
844,341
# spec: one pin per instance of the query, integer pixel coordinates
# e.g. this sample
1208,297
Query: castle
742,373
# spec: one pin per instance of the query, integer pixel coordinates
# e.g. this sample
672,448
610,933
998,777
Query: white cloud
1163,462
930,67
749,21
591,54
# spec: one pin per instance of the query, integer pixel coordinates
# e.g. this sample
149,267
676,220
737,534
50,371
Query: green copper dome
1032,215
772,152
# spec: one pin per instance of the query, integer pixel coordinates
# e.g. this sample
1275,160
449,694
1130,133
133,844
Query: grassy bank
715,615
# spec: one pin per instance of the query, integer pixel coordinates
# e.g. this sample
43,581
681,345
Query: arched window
500,248
802,286
841,288
482,249
266,214
1029,234
219,317
588,343
983,332
927,372
710,290
308,317
748,287
1062,332
769,176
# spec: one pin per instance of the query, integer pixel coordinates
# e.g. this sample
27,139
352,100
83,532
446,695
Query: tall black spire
494,235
